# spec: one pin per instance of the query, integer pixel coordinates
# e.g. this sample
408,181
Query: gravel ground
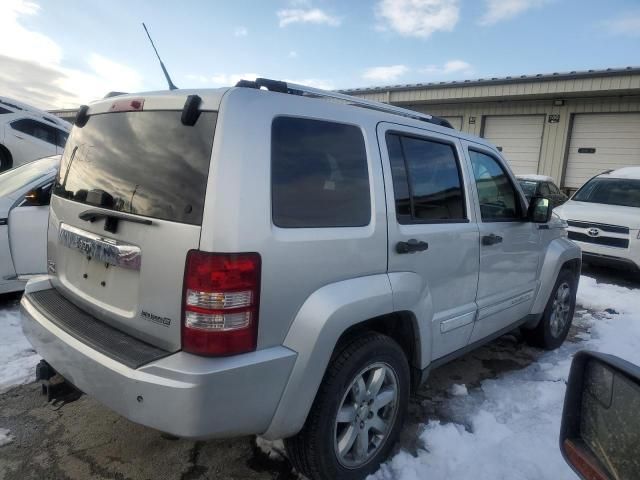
82,439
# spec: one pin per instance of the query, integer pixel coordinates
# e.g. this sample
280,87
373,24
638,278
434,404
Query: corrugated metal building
68,114
569,126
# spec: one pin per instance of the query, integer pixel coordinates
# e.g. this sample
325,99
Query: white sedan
24,212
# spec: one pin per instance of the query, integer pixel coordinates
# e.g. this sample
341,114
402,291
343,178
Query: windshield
146,163
528,187
610,191
17,178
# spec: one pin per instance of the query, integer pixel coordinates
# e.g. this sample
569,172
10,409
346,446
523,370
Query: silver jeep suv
277,260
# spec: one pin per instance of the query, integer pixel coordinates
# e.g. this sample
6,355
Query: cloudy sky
66,52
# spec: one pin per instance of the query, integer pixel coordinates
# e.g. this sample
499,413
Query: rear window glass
145,163
319,174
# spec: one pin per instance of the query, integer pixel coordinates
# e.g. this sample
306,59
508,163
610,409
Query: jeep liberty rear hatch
126,209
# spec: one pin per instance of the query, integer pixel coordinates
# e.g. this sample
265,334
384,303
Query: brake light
127,105
220,303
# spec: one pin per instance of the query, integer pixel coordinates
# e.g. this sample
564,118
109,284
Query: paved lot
83,439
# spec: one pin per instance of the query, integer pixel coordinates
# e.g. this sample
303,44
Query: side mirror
600,433
38,197
539,210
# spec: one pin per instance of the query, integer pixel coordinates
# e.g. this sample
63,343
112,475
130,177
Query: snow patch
512,423
17,357
458,390
5,437
273,449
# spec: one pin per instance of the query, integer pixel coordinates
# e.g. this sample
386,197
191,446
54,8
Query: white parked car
24,211
604,218
27,133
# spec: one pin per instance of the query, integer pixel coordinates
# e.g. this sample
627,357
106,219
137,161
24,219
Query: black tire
545,335
5,159
312,451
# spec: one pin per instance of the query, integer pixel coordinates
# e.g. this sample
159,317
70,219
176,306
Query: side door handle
411,246
491,239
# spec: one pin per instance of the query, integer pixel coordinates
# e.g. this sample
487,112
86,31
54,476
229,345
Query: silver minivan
277,260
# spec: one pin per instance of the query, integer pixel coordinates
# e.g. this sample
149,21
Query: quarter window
319,174
36,129
427,183
498,199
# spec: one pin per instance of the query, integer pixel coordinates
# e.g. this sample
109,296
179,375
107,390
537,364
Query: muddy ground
82,439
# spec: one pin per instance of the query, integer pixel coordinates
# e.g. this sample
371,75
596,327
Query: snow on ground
511,425
17,357
512,422
5,437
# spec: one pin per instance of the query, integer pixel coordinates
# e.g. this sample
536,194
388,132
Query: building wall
555,136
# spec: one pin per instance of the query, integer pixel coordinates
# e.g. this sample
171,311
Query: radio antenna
164,70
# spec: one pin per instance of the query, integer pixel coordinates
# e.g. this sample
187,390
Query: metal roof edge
498,80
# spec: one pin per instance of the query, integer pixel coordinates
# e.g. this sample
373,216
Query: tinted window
426,180
4,110
61,138
319,174
146,163
554,189
528,187
36,129
611,191
497,196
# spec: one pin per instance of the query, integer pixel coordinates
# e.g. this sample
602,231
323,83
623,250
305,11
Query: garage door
519,137
456,122
601,142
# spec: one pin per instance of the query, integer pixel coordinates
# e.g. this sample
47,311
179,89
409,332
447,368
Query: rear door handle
491,239
411,246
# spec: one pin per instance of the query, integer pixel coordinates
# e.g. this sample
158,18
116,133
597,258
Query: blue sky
66,52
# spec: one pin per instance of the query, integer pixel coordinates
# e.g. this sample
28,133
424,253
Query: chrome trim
102,249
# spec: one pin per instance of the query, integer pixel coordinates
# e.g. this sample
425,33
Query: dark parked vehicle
542,186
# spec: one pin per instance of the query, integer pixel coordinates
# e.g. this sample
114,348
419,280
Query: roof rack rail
295,89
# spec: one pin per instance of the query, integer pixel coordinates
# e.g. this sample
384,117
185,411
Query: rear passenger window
427,184
36,129
319,174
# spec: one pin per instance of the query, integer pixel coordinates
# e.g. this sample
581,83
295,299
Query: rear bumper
181,394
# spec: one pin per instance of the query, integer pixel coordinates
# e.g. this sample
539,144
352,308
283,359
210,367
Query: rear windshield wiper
111,218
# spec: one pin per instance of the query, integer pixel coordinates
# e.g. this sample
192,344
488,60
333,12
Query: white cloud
449,68
18,42
241,32
500,10
32,67
627,25
223,79
230,79
385,74
293,54
289,16
418,18
314,83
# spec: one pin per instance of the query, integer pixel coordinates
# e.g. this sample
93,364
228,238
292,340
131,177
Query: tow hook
55,386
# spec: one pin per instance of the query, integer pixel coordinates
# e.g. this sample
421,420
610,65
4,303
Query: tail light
220,303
